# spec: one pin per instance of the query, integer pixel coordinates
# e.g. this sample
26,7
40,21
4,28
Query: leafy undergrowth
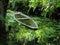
48,32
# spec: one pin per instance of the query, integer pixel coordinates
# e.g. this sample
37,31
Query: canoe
25,20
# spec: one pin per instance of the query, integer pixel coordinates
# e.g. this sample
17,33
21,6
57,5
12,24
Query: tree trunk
3,8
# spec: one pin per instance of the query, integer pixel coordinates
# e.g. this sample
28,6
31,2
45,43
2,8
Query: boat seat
23,18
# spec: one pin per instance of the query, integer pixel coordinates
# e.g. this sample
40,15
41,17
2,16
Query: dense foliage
47,6
41,11
48,32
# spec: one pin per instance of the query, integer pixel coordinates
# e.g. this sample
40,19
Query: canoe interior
28,22
19,16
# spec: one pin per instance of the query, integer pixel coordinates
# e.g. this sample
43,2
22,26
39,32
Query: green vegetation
43,12
47,6
48,32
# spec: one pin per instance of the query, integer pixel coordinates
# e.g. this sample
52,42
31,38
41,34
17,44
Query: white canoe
25,20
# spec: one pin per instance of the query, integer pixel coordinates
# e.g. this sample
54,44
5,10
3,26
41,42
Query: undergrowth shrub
48,32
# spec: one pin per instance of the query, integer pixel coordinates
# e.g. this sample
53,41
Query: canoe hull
26,20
